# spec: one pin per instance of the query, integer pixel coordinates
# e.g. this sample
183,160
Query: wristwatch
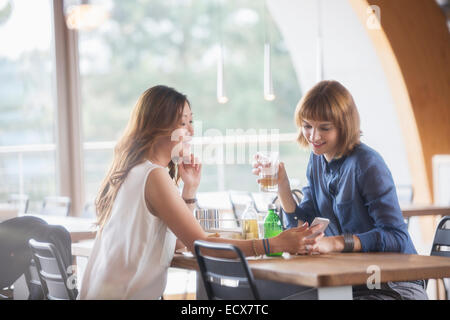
349,244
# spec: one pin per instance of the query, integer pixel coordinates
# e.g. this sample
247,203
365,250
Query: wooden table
82,248
427,227
425,210
334,274
79,228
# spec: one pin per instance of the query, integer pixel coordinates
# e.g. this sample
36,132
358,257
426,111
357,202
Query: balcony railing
38,178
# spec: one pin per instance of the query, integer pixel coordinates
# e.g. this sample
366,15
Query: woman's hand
282,175
324,245
190,173
334,244
295,240
284,188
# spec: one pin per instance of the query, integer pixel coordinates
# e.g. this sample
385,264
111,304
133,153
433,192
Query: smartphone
323,221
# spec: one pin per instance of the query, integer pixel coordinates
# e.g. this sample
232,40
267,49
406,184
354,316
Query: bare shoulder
159,188
158,174
159,180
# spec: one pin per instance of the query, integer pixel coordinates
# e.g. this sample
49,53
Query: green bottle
272,226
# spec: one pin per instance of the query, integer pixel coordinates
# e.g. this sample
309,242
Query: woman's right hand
284,189
257,165
295,240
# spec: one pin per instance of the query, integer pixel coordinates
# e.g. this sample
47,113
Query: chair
296,193
89,210
56,206
19,201
33,282
225,278
239,201
441,241
261,200
52,272
405,195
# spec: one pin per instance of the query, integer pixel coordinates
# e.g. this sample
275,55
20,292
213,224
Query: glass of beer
268,175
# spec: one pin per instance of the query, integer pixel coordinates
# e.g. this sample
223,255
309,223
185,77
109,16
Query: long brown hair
156,113
330,101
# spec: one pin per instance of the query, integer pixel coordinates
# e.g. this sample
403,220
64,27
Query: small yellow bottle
250,222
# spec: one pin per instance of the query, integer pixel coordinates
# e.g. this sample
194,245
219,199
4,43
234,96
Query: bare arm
284,191
284,188
165,202
335,244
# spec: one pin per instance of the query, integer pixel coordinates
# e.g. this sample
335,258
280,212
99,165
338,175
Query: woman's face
184,131
187,120
322,137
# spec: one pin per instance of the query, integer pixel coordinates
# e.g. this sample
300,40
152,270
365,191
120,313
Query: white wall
350,58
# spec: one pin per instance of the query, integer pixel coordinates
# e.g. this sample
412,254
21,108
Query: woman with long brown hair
141,213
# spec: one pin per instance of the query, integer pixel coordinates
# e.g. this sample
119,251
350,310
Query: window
27,104
175,43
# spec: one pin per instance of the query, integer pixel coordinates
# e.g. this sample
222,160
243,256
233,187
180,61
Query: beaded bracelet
254,247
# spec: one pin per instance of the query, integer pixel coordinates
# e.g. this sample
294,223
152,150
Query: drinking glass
268,175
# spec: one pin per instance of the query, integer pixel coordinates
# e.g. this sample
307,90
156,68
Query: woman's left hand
190,173
323,245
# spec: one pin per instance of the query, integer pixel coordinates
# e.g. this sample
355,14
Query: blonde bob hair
330,101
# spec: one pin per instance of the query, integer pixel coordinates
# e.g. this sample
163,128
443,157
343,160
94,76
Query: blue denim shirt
357,193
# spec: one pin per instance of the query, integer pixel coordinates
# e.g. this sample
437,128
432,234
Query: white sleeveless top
131,257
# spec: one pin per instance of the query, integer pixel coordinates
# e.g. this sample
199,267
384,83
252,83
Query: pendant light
221,96
85,16
319,44
268,83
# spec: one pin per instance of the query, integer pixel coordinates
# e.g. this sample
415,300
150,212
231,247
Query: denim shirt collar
334,165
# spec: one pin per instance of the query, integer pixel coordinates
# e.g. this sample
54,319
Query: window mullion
68,128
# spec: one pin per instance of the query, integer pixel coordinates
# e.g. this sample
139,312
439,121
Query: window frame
70,173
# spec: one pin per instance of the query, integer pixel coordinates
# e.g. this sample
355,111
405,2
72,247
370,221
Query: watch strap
349,243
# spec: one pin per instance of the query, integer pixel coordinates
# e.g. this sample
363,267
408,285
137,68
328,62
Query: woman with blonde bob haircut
349,184
141,214
336,106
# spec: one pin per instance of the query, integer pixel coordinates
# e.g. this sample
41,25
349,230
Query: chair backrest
89,210
19,201
56,206
441,238
33,282
441,246
225,278
239,201
52,272
405,194
296,193
262,199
